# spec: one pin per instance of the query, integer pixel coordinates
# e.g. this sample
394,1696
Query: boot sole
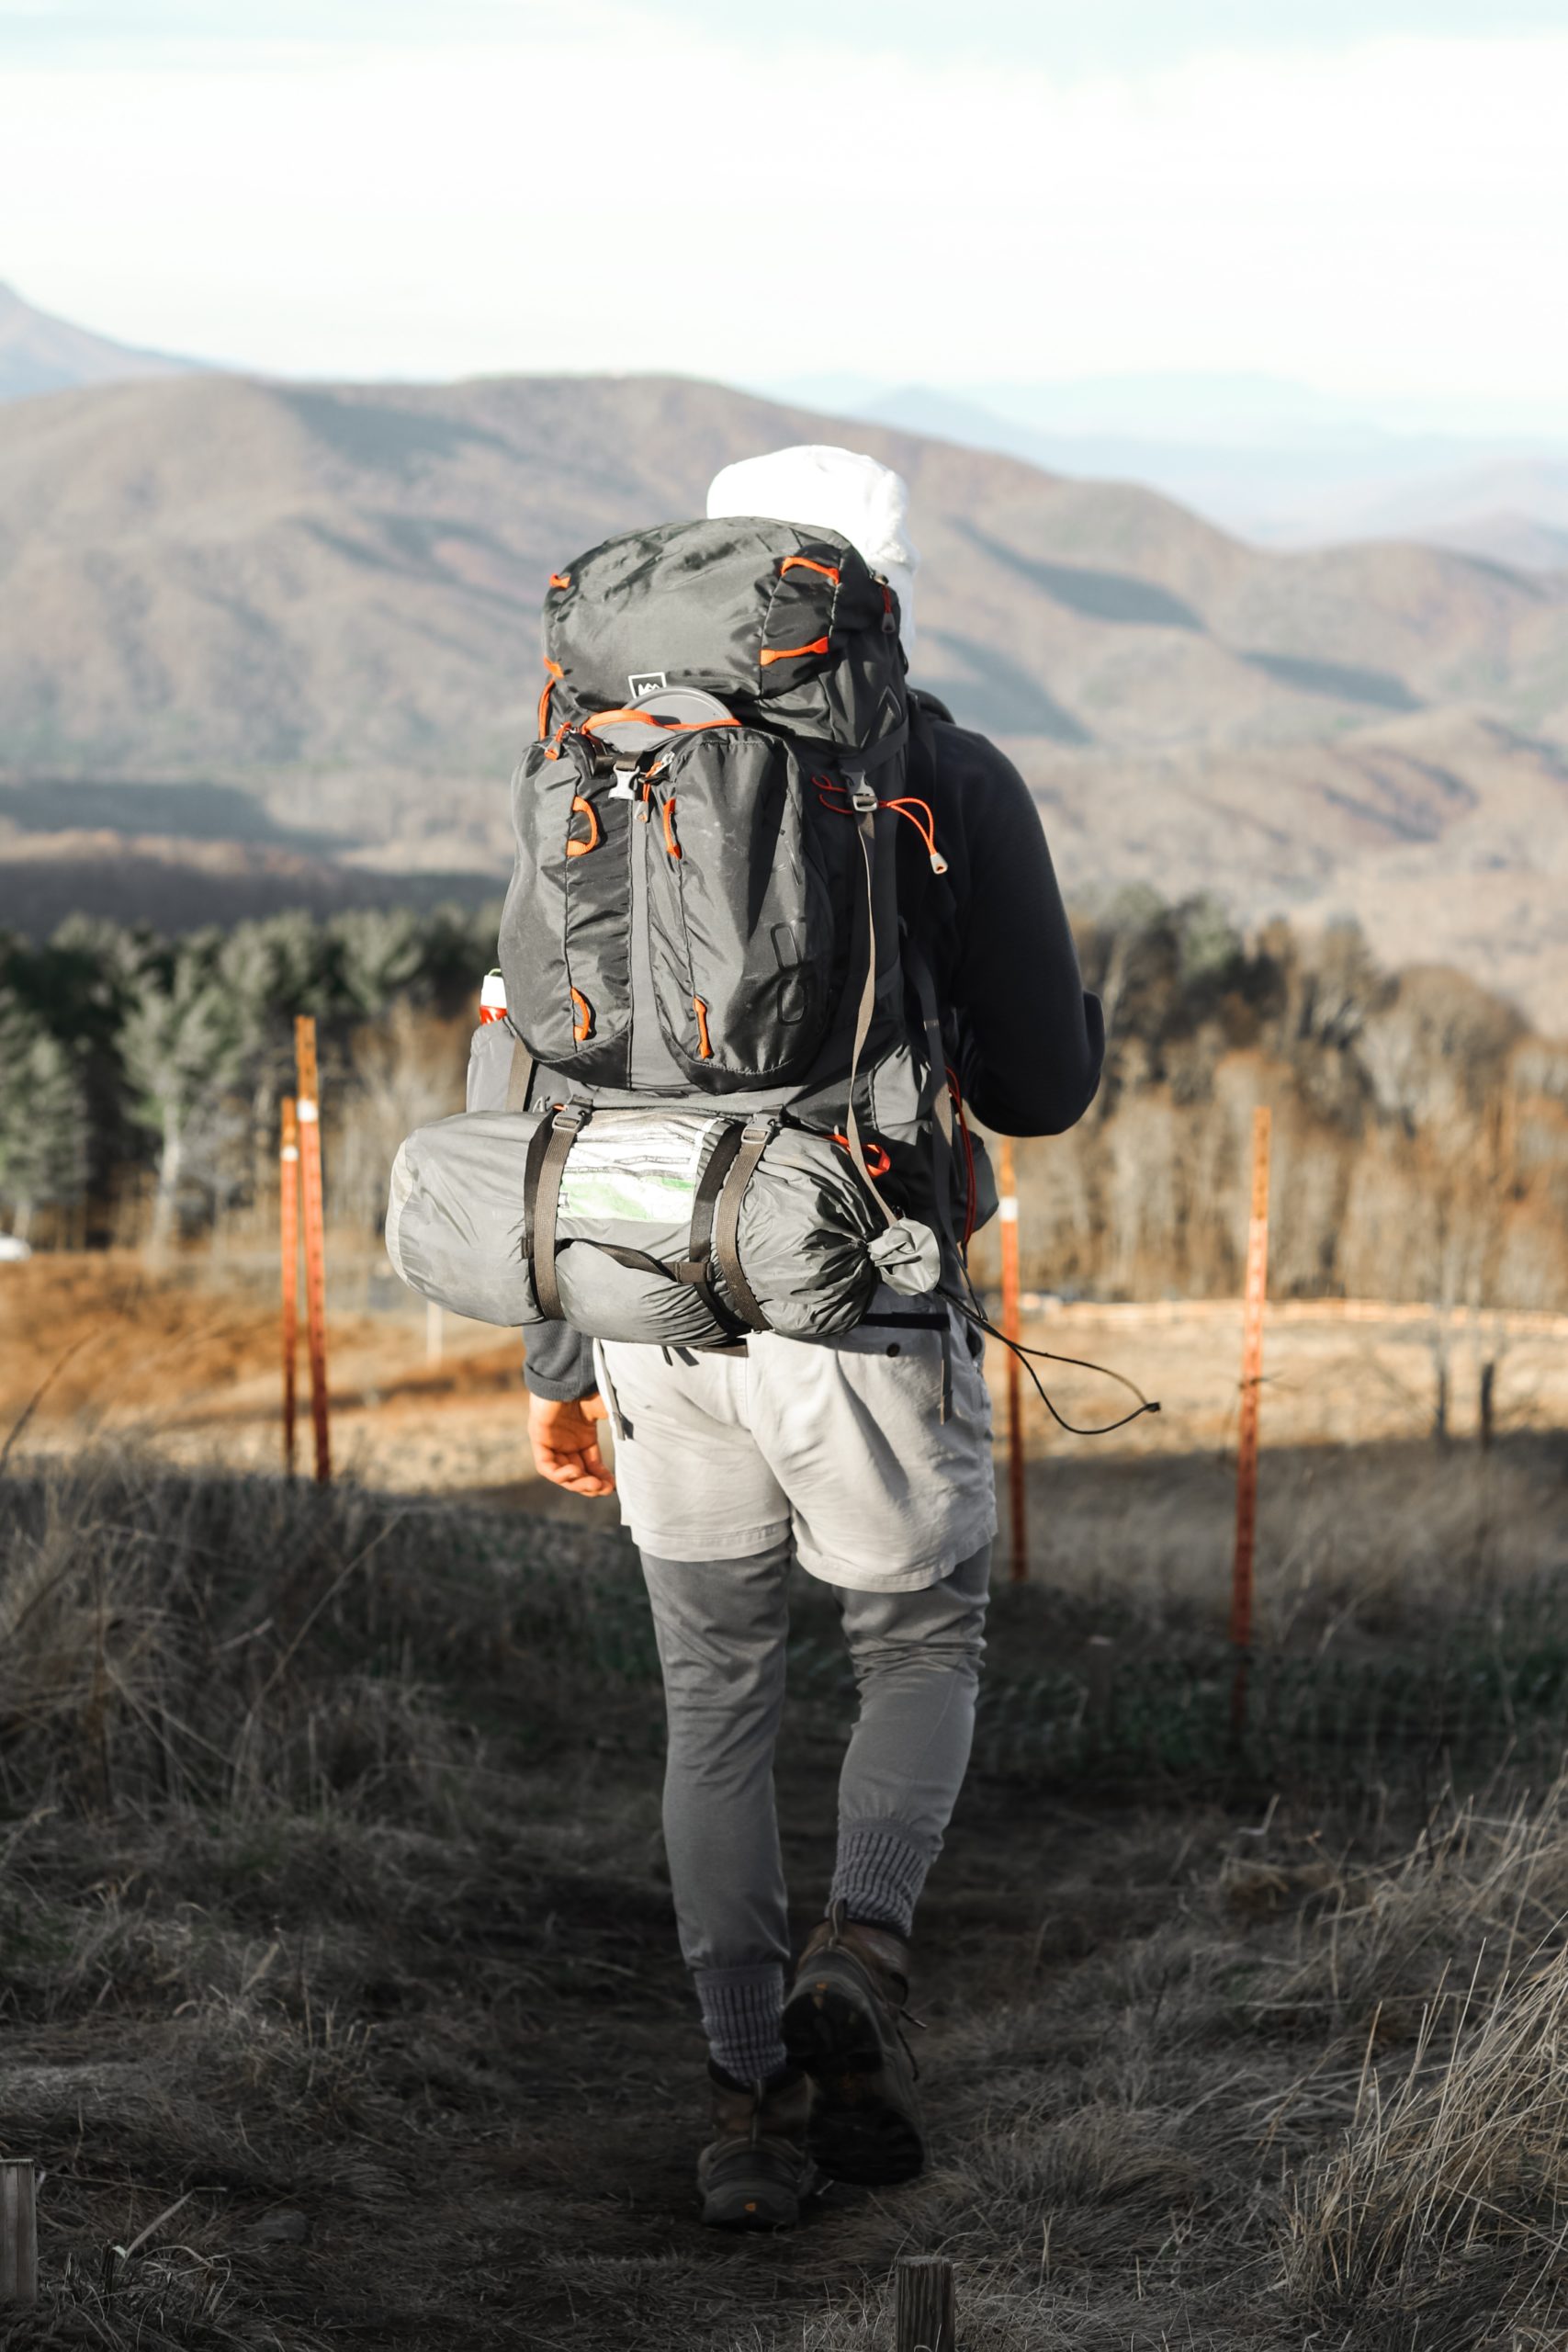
857,2134
735,2206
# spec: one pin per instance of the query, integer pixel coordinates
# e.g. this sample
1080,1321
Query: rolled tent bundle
630,1260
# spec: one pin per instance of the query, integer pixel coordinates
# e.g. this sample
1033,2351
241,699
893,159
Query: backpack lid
784,624
670,705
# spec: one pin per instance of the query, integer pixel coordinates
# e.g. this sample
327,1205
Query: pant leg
917,1662
721,1627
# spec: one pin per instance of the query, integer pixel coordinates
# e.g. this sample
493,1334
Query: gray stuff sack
628,1193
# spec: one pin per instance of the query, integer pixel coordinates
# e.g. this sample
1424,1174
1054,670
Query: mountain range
39,352
1278,463
297,625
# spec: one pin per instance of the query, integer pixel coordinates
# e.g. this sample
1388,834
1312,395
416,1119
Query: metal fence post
1246,1440
309,1116
288,1248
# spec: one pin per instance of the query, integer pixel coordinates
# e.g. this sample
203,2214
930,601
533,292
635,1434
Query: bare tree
404,1070
185,1042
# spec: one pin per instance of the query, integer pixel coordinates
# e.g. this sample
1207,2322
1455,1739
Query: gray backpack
720,1100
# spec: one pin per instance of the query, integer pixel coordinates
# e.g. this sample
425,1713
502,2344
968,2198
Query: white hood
837,490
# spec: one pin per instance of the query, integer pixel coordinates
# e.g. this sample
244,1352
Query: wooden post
289,1244
1246,1443
18,2231
926,2313
310,1114
433,1331
1487,1404
1008,1210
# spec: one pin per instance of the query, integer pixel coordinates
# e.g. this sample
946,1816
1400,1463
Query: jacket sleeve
558,1363
1032,1040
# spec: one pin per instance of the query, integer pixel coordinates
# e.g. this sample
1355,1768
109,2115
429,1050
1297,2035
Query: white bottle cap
492,996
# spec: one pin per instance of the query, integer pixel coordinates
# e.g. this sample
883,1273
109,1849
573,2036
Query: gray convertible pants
721,1627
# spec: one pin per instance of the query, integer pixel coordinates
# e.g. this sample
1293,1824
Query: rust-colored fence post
18,2231
288,1248
310,1115
1247,1442
1007,1211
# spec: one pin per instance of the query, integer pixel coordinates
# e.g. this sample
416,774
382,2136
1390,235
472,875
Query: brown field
186,1362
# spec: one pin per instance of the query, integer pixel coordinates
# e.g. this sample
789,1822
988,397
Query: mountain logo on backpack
647,681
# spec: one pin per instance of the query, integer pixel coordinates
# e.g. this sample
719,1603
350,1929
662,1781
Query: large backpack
723,1067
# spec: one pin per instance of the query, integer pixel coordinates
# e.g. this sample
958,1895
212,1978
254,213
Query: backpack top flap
785,624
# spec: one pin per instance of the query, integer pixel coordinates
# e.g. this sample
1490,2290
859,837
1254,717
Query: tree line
1421,1127
136,1064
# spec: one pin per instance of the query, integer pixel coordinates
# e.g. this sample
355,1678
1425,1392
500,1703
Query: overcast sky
1369,196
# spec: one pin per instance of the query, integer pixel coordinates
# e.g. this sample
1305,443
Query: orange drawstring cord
924,822
926,829
878,1158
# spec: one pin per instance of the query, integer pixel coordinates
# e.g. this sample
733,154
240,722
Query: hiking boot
842,2022
755,2170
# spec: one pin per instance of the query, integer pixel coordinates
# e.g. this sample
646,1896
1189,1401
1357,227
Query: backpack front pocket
749,900
563,931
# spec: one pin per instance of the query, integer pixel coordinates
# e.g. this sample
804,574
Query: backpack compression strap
864,803
754,1139
553,1138
942,1100
519,1076
697,1268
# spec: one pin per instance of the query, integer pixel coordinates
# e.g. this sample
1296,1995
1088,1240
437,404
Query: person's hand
566,1448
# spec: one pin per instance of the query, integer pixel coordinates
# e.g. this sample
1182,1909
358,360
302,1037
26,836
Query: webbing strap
942,1100
538,1143
542,1218
696,1267
639,1259
519,1075
861,762
754,1139
721,1158
866,829
863,800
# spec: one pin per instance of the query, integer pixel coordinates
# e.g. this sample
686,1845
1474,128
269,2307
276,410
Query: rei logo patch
647,681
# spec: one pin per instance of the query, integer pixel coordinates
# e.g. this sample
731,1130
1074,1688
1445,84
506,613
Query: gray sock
741,2011
879,1875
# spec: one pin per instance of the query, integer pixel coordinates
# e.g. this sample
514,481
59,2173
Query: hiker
865,1458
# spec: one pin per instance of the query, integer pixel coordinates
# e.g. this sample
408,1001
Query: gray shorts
874,1450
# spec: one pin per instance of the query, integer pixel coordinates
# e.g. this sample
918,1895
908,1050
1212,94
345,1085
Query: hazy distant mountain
40,353
322,601
1274,462
1512,508
1211,409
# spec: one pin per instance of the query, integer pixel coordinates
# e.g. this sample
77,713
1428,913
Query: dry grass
332,1917
1449,2196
